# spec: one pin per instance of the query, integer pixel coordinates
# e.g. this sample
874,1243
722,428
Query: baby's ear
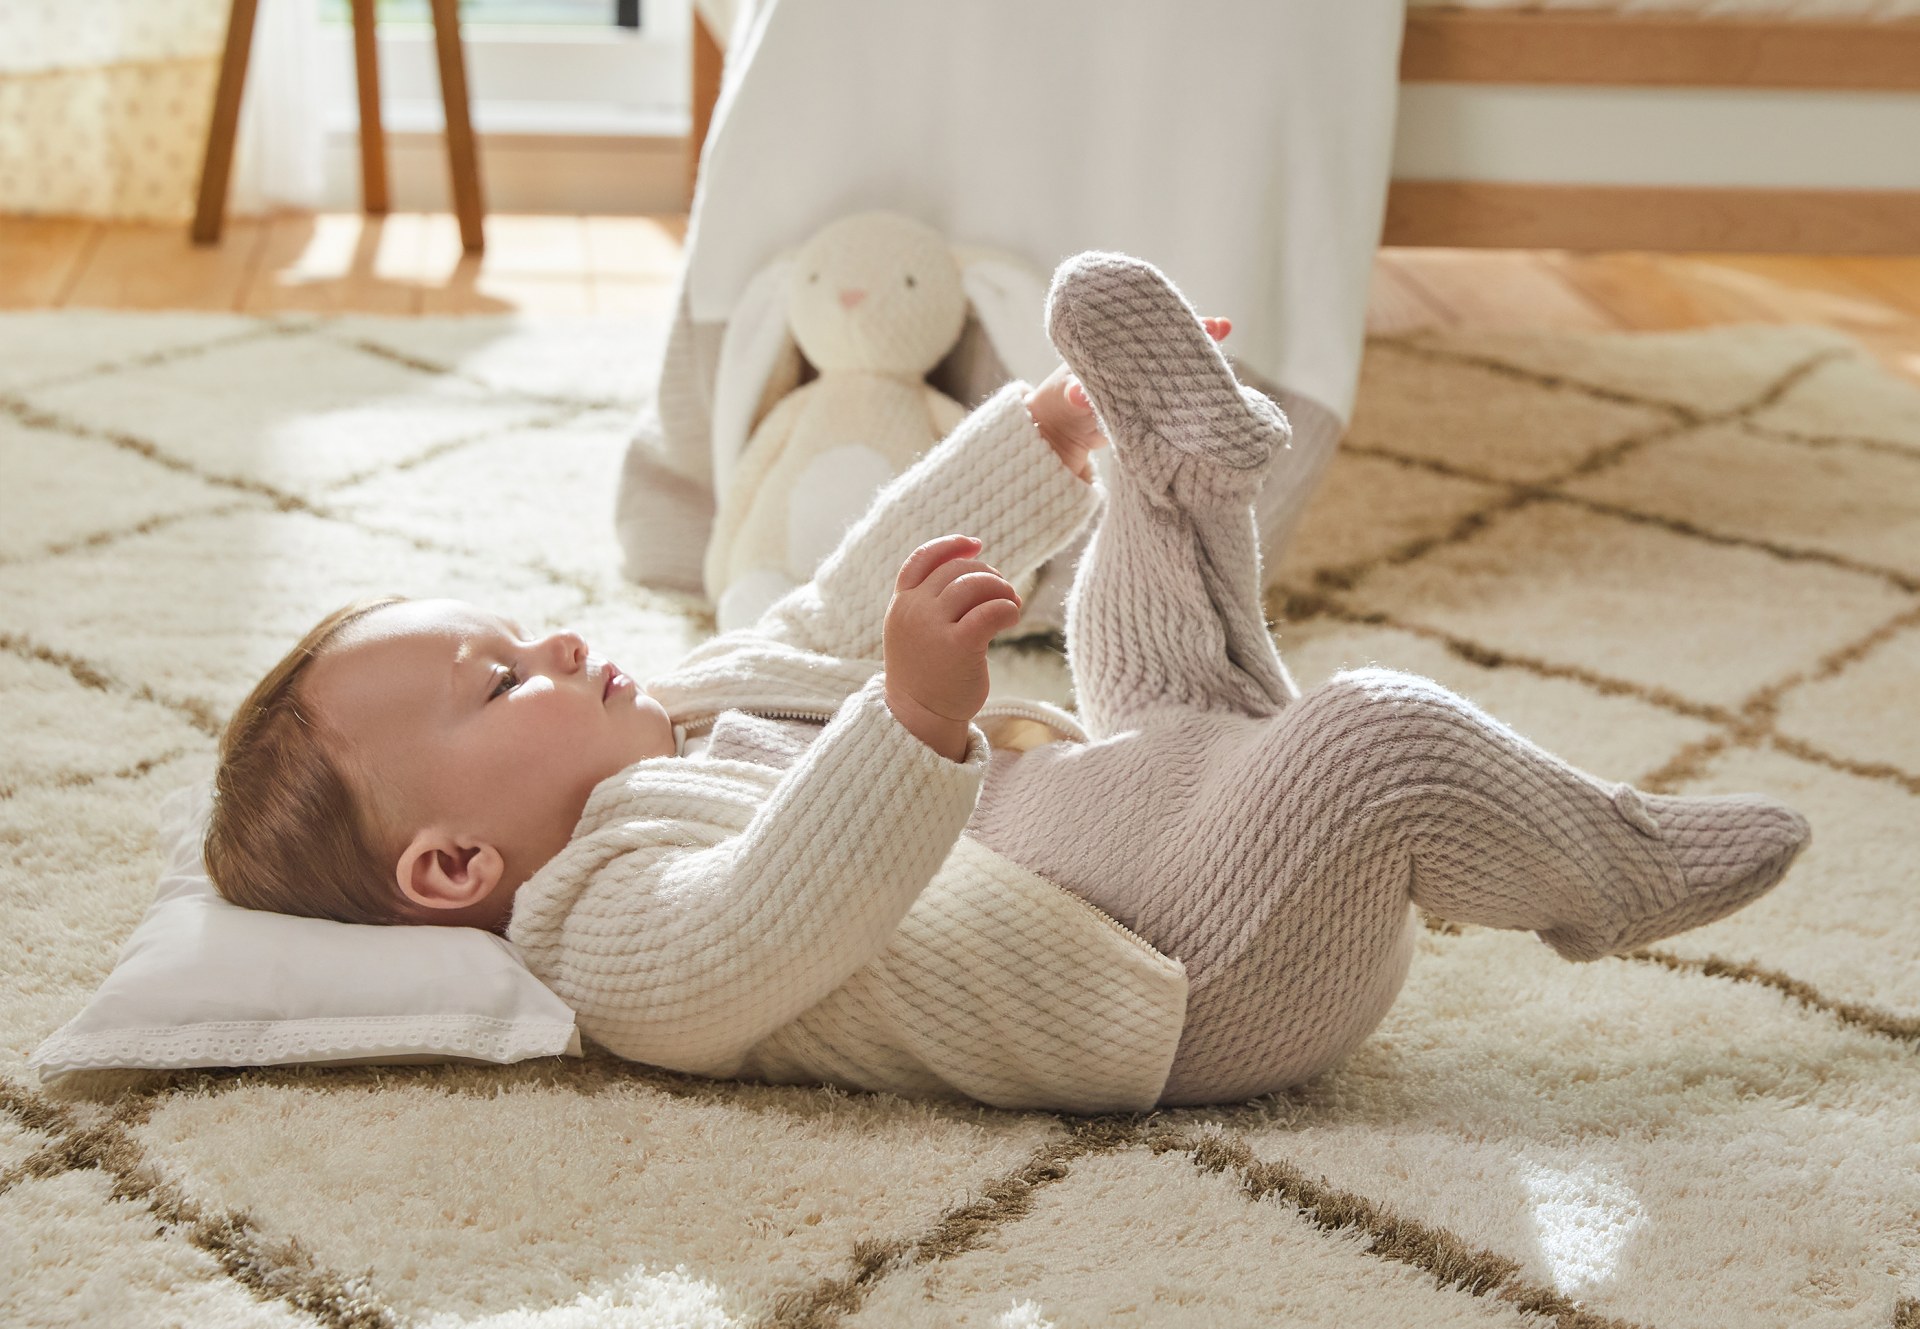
438,871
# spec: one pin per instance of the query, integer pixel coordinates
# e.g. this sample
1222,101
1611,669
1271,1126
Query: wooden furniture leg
373,137
708,60
212,208
461,157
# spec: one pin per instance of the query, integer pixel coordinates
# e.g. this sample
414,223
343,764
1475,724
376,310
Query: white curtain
278,153
104,106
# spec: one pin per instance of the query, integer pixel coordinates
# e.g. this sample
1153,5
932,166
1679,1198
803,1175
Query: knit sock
1729,848
1162,390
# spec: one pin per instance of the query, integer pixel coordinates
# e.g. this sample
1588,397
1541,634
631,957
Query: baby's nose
848,299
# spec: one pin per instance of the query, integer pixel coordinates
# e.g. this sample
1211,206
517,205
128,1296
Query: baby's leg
1165,609
1381,787
1278,858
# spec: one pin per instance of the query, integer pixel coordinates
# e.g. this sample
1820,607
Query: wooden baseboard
1473,214
1663,50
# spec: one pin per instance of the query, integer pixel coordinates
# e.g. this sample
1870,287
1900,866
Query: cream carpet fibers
1690,561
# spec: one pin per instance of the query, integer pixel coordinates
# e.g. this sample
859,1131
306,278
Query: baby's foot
1155,376
1730,849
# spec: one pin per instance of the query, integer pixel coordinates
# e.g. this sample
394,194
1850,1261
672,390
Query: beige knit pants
1274,841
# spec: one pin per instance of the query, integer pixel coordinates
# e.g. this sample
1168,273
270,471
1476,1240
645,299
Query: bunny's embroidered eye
814,278
911,283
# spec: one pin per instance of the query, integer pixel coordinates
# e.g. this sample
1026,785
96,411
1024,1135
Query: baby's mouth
613,676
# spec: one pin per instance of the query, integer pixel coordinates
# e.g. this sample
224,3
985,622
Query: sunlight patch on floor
1584,1219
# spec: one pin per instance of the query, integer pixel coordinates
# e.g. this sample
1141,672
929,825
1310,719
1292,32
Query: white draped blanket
1243,147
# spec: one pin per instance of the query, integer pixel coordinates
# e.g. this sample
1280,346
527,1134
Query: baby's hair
289,832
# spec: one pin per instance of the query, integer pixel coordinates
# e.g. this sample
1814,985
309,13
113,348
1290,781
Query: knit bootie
1162,390
1729,849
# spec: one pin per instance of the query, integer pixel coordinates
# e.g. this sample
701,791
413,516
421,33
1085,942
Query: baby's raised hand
1064,414
947,605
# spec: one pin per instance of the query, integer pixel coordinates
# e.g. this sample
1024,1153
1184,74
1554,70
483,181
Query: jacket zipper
1098,910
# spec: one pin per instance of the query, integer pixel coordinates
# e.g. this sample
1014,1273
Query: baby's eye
509,680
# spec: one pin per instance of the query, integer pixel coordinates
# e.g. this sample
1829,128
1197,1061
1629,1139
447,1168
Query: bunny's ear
759,363
1010,300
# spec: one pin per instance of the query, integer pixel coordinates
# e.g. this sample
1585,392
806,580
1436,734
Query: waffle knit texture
1276,841
829,921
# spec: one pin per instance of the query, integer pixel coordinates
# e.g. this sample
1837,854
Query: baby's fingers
922,561
985,621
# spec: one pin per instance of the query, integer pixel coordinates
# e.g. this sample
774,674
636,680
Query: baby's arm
997,477
687,919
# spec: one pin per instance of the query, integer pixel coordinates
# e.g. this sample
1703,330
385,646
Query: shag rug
1690,561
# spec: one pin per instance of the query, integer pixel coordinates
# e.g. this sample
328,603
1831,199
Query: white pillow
203,982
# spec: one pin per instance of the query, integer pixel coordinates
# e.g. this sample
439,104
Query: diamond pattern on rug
1851,398
1866,711
1715,1106
766,1174
60,731
1483,419
1367,508
1734,480
1196,1253
1635,601
298,412
85,488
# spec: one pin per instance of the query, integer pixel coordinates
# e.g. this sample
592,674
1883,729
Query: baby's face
483,731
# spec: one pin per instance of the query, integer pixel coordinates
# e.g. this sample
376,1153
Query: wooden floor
412,264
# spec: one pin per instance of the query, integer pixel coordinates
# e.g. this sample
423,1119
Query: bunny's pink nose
848,299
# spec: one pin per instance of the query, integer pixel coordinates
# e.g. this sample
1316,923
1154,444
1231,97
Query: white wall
1658,136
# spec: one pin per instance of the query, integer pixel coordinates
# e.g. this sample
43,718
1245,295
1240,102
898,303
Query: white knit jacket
831,922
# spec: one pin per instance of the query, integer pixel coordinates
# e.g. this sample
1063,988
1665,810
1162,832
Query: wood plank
1645,293
650,300
140,266
1661,50
629,248
1799,288
1486,214
1395,304
1505,290
41,258
1899,351
336,263
1896,280
536,264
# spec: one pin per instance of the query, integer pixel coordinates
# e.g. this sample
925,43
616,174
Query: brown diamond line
232,1239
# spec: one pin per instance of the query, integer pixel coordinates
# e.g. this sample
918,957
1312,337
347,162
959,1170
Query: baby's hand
947,605
1065,417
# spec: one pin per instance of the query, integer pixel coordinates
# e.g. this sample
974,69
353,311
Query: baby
811,853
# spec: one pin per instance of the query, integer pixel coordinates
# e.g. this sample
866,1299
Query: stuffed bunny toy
873,302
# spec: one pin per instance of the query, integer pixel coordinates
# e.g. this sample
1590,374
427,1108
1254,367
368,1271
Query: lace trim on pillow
279,1042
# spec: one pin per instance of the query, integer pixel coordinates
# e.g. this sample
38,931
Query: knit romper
1275,842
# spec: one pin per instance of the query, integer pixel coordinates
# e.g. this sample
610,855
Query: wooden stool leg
373,136
211,212
708,62
461,157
